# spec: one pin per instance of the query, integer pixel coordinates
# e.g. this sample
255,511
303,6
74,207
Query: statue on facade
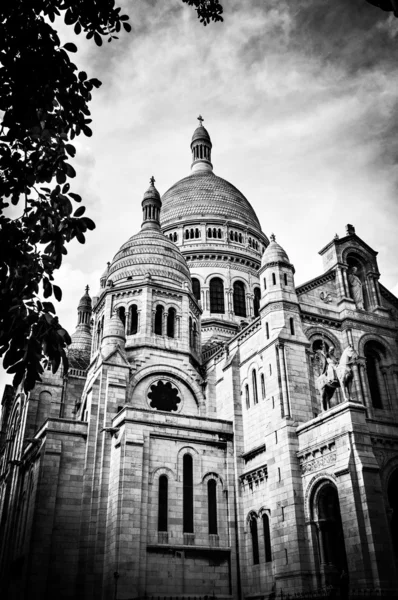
356,290
336,374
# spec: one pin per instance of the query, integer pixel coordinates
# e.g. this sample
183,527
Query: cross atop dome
200,119
272,237
87,289
152,180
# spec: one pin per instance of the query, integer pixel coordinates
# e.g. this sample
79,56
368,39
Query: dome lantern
201,149
151,205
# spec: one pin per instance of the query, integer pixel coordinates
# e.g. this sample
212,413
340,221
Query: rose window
164,396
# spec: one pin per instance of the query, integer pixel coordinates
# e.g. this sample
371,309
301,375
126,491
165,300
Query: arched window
196,288
122,315
214,232
162,503
195,336
175,237
212,506
240,238
231,235
331,534
254,383
171,321
254,536
98,334
291,322
196,232
374,353
239,299
247,396
236,236
209,233
267,538
217,296
187,491
262,386
256,301
159,320
273,279
187,234
192,234
265,283
133,319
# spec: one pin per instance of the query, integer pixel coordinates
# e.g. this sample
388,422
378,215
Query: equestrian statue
336,374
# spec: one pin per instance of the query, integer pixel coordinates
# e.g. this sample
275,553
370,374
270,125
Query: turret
79,350
201,149
151,205
114,335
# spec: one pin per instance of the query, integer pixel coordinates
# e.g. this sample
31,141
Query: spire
84,309
201,148
151,205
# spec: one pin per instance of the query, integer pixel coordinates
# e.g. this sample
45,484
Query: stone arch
363,256
369,337
196,457
313,332
169,371
311,487
156,473
215,274
212,475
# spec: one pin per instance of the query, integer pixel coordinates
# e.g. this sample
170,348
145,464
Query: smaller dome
151,193
201,133
85,301
274,253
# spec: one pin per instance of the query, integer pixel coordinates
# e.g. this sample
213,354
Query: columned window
256,302
187,477
162,503
133,319
122,315
196,288
239,299
217,296
212,506
159,320
267,538
254,536
171,320
254,382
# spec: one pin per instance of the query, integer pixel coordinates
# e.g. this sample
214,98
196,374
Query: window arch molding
374,337
368,262
317,333
166,372
156,473
316,482
212,475
197,463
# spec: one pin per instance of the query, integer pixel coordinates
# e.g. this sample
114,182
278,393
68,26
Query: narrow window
254,534
214,232
240,238
133,319
256,301
175,237
219,233
267,330
171,319
196,232
195,336
239,298
273,279
190,332
196,288
267,538
162,503
270,369
265,283
285,278
217,296
291,321
254,382
247,396
262,386
209,233
122,315
192,234
98,334
186,234
231,235
212,506
187,494
250,241
236,236
159,320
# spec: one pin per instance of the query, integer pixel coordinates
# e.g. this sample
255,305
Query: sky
300,101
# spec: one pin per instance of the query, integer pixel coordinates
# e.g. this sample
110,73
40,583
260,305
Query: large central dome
203,194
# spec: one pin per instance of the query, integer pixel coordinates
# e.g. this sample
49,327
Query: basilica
222,431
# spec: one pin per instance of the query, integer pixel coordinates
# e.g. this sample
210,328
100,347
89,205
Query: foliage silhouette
44,103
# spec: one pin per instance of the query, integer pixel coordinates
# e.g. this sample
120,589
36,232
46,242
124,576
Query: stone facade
188,452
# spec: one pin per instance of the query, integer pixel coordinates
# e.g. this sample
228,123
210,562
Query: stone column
340,280
345,282
249,305
385,380
285,391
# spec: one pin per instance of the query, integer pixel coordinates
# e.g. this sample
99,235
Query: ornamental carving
164,396
318,463
254,478
325,297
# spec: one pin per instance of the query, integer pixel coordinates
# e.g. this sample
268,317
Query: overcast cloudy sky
300,100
